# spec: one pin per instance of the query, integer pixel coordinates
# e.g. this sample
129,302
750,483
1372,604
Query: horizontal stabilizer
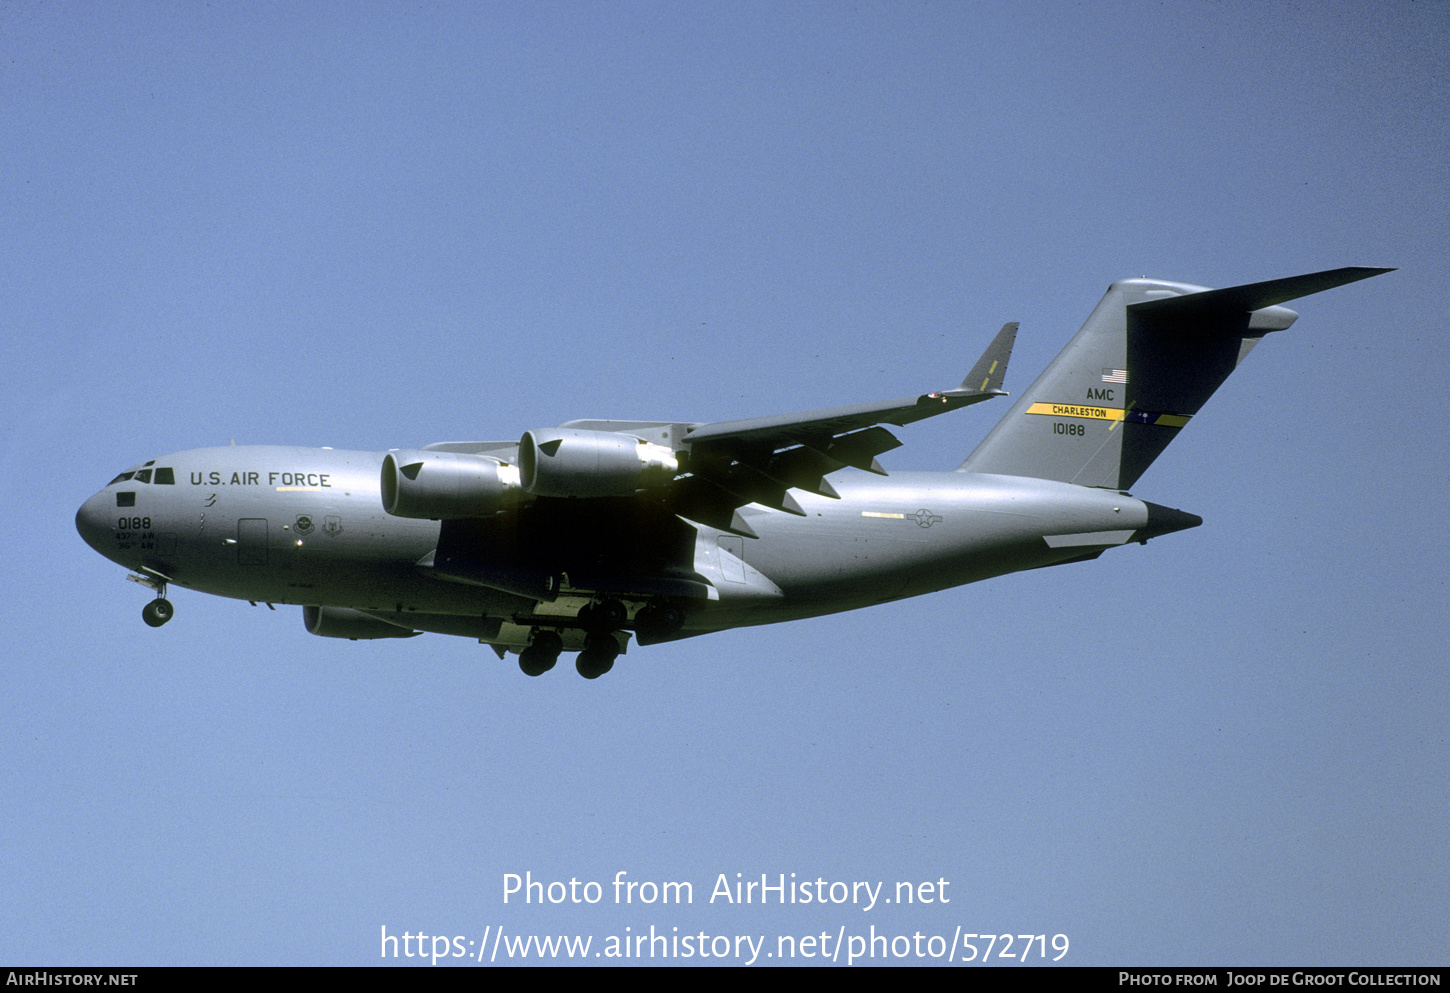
1253,296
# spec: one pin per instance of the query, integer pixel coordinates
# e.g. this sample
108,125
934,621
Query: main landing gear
601,647
600,651
542,653
603,623
597,658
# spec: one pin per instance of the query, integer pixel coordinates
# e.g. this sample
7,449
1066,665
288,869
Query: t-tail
1149,356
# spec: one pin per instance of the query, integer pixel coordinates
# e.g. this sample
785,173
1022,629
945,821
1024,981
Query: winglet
985,380
987,375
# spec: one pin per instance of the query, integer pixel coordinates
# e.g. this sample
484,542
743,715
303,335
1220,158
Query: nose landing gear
160,610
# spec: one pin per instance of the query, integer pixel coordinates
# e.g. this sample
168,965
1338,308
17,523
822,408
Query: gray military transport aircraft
572,537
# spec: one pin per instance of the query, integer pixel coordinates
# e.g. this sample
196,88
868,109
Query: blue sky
373,226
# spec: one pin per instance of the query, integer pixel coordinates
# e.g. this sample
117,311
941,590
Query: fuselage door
252,541
732,565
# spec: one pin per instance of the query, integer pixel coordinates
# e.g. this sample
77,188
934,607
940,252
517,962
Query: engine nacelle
344,622
441,486
566,462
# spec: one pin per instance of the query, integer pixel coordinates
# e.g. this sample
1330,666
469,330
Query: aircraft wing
760,459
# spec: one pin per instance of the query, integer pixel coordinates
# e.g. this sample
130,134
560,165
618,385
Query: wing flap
703,501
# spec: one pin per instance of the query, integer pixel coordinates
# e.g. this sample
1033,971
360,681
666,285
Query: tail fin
1149,356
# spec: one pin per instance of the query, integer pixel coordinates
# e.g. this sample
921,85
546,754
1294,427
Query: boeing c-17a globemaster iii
575,537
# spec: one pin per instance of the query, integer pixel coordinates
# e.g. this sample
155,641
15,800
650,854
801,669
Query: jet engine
344,622
447,485
568,462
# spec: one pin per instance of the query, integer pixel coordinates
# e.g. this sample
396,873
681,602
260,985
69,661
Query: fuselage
306,526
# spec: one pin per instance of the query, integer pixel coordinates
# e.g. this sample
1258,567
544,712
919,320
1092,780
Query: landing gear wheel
540,656
606,615
157,612
591,665
535,663
658,621
600,651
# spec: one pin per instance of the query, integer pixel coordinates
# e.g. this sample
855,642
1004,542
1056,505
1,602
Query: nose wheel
160,610
157,612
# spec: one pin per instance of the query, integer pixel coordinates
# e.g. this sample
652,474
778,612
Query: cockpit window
126,498
164,476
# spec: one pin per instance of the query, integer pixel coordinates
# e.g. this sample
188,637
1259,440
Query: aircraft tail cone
1165,520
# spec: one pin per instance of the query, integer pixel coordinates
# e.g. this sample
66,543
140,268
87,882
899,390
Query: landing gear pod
344,622
566,462
447,485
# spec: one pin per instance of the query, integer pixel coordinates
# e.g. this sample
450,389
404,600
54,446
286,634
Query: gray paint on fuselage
352,554
331,543
926,531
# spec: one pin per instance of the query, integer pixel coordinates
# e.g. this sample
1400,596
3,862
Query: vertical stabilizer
1149,356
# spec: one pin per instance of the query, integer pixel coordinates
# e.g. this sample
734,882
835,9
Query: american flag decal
1115,376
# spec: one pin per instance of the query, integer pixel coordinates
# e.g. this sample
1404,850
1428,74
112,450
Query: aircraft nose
93,520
